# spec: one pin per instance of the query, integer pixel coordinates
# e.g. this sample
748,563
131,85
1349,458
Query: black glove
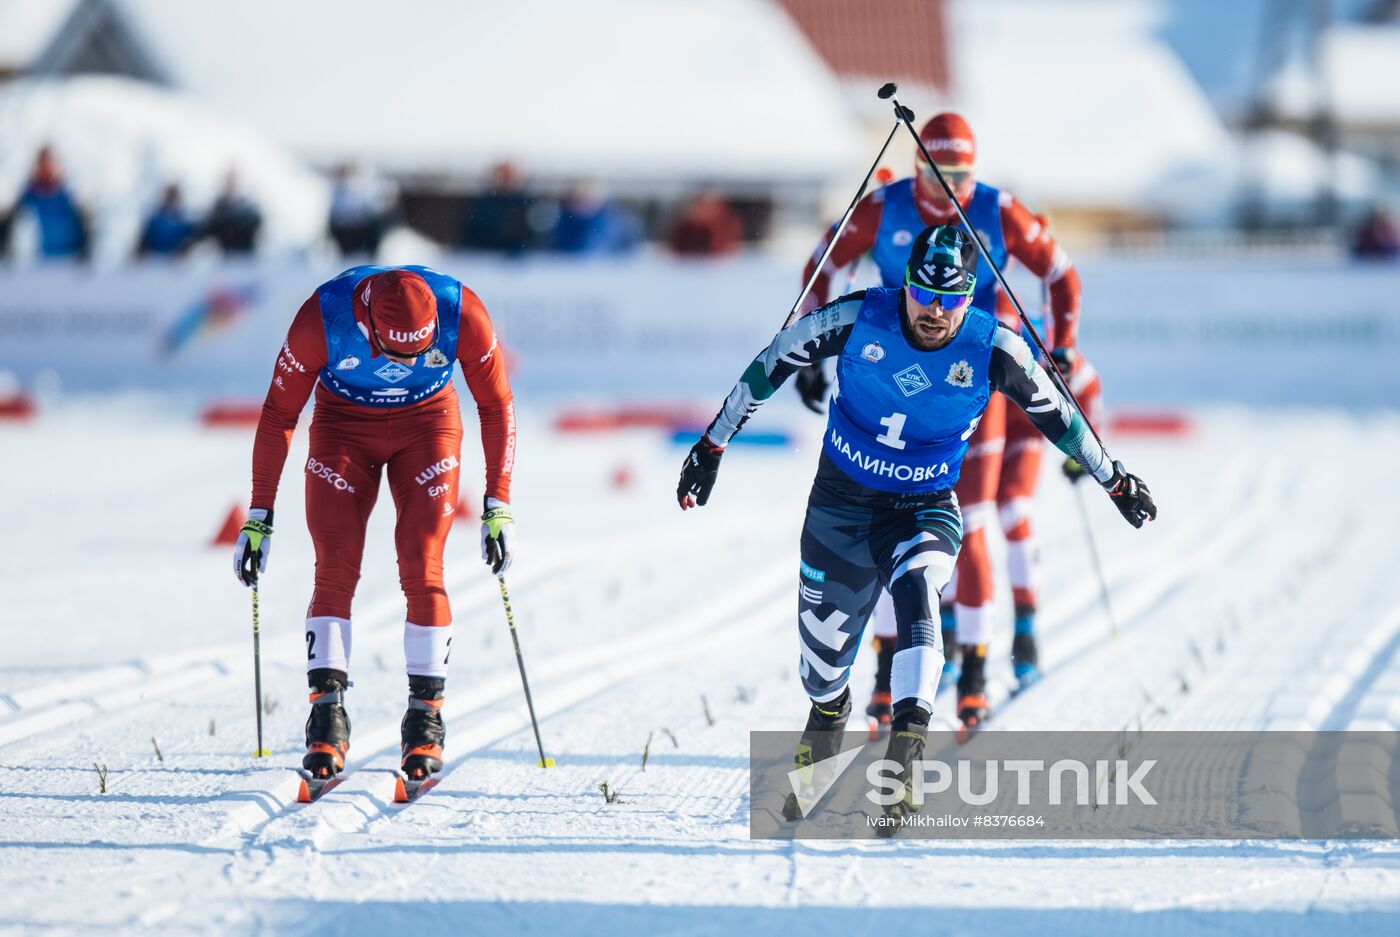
698,473
1064,359
253,546
1073,470
1130,496
812,386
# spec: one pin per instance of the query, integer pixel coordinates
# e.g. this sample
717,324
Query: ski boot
820,741
952,663
973,706
328,726
908,735
879,709
1024,660
422,731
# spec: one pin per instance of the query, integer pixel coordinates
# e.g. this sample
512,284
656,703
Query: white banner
654,328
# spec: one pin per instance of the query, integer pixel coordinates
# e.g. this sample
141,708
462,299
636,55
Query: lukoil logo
951,144
318,469
418,336
437,468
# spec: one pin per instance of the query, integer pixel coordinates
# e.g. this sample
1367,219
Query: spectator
168,232
499,221
61,226
1378,237
708,226
234,220
360,212
589,223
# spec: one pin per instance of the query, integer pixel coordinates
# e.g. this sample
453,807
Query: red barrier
627,416
230,413
18,407
1149,423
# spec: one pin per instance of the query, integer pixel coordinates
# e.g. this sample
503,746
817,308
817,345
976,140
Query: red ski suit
351,446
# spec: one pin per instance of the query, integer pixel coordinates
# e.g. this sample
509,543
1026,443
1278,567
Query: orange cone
233,525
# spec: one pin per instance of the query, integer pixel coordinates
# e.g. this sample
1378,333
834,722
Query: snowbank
122,140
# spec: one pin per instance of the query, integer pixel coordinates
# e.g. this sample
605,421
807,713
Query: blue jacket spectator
590,224
62,229
168,232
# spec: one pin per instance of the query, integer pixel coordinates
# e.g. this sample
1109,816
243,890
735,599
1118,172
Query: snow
1360,68
621,88
1081,103
121,141
1263,597
28,26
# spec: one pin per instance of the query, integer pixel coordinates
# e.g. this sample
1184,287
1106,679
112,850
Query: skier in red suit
379,345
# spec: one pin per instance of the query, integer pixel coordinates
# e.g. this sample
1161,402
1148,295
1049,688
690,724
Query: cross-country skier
916,367
379,345
1002,465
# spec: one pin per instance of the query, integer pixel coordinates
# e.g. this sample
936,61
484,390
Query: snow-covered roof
1078,101
620,88
1360,67
121,140
27,27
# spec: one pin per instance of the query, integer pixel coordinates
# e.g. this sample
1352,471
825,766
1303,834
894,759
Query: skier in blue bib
916,366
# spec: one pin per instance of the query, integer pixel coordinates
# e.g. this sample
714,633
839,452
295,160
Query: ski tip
546,762
400,793
262,753
303,792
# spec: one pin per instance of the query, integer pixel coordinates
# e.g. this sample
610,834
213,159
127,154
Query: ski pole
1098,566
257,674
906,116
524,681
836,235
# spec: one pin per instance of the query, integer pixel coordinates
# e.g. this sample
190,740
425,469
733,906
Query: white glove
497,535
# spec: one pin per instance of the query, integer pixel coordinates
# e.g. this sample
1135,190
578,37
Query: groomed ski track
1265,597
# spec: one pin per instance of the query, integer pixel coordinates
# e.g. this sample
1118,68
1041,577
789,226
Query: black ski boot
328,726
820,741
908,735
879,708
973,706
422,731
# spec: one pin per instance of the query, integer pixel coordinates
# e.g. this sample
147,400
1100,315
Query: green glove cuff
493,519
256,530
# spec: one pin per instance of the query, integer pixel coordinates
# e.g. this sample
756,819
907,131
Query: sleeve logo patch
873,352
960,374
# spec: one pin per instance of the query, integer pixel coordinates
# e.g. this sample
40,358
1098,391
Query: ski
311,787
407,790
